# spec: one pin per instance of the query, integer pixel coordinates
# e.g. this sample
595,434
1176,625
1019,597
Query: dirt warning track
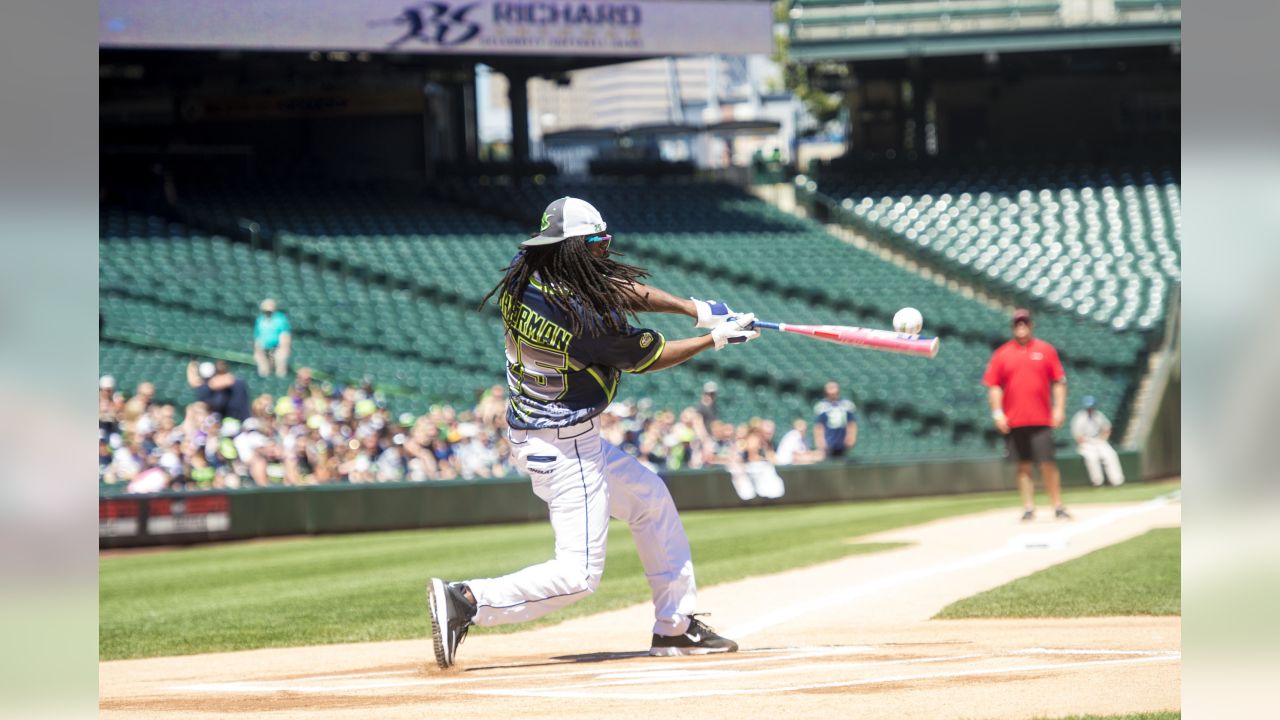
847,637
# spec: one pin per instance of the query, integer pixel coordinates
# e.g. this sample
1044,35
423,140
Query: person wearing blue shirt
272,340
835,425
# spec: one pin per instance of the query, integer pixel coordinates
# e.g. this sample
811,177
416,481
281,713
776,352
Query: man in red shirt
1022,379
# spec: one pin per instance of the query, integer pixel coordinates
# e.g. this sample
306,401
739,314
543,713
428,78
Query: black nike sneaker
699,639
451,615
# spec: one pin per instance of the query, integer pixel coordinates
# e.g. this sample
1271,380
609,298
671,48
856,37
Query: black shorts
1033,443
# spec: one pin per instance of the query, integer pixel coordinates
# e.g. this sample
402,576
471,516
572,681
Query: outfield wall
181,518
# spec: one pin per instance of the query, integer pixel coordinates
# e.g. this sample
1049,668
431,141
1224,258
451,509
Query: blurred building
658,108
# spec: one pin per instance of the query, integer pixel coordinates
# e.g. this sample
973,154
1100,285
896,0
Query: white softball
908,321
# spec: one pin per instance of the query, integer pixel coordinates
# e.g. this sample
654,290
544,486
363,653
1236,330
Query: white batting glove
710,313
735,329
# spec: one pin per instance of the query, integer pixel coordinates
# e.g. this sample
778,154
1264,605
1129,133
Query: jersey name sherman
558,378
534,327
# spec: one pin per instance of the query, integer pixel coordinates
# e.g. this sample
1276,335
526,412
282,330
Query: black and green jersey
557,378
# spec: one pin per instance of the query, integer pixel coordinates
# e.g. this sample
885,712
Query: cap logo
546,222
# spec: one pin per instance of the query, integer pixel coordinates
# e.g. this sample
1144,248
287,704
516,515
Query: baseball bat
888,340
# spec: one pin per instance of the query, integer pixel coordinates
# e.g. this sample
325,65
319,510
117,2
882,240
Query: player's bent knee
572,580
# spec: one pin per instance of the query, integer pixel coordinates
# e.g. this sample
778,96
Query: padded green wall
356,508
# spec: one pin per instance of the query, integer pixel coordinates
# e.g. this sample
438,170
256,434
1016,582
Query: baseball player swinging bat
861,337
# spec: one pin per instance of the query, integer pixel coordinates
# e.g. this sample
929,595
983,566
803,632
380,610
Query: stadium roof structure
745,127
519,39
851,30
586,134
663,129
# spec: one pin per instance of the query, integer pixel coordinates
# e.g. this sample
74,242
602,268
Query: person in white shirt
761,461
1091,430
794,448
475,458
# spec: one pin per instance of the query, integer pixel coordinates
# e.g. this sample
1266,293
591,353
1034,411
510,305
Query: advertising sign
455,27
118,518
196,514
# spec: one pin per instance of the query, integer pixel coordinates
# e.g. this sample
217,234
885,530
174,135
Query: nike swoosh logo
693,638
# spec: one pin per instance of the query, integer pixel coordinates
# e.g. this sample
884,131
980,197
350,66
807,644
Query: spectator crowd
319,432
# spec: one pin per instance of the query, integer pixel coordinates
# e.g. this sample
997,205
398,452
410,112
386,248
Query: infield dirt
846,638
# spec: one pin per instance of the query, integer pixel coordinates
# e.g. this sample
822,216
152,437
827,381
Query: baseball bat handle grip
765,325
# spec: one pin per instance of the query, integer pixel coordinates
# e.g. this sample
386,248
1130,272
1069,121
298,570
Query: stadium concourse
383,281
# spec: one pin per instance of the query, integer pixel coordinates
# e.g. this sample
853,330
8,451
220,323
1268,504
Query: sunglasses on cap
601,240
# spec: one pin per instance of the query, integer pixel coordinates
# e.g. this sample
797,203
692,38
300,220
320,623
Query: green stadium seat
333,252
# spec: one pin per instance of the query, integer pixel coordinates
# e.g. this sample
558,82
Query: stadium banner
640,28
119,518
197,514
131,520
346,507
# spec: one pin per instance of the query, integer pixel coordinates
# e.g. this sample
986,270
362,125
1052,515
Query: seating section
1102,242
403,235
385,284
421,350
161,282
788,269
131,364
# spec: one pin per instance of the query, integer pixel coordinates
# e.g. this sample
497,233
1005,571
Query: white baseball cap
565,218
106,381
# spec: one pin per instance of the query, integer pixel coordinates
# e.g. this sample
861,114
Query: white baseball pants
1099,455
584,481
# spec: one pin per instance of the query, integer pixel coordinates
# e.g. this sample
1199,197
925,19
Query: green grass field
364,587
1142,576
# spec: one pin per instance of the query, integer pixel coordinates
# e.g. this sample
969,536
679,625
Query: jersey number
539,370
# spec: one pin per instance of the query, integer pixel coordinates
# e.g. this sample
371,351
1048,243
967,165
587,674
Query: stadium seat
385,285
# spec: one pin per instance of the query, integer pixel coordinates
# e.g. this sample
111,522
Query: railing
880,19
1170,354
817,20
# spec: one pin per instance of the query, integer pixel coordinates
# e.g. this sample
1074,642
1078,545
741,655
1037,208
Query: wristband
997,415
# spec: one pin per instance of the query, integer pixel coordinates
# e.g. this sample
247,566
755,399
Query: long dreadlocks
595,293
